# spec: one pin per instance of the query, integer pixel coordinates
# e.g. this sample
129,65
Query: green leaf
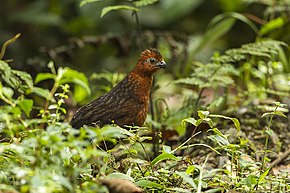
234,15
7,92
43,76
187,179
43,93
219,140
215,32
117,7
24,76
190,120
190,169
148,184
203,114
82,84
279,113
142,3
274,113
166,149
163,156
234,120
26,105
120,176
272,25
7,75
263,175
83,2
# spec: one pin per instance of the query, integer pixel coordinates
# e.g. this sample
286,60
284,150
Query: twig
280,158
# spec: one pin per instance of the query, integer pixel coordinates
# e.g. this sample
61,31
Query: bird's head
149,62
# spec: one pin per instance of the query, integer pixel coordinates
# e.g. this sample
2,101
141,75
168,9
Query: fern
266,50
14,78
210,75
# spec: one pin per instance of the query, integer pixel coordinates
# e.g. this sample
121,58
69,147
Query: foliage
215,125
106,10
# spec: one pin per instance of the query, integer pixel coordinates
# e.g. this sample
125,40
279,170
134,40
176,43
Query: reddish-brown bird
127,103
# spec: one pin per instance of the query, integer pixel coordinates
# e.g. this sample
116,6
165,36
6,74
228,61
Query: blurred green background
49,28
183,30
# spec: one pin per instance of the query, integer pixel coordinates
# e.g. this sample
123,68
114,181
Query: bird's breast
142,86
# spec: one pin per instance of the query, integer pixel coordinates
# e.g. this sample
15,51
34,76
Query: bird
116,185
127,103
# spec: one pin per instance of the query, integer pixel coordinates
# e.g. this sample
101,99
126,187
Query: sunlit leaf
117,7
83,2
162,157
272,25
43,76
234,120
263,175
190,120
142,3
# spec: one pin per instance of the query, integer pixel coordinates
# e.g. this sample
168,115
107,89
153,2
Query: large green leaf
72,76
43,76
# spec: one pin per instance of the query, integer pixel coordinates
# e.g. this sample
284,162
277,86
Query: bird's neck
142,85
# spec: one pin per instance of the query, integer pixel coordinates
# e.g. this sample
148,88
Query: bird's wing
111,107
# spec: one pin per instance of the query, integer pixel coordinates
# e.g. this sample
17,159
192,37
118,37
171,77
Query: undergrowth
227,136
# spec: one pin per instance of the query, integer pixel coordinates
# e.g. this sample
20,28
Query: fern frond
266,49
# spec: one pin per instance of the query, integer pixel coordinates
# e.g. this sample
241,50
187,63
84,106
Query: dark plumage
127,103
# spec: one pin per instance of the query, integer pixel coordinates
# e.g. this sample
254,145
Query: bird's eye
152,60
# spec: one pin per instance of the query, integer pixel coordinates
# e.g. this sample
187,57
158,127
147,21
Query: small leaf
148,184
117,7
187,179
190,169
190,120
234,120
166,149
272,25
7,92
142,3
267,114
24,76
263,175
26,105
120,176
163,156
83,2
42,93
269,132
279,113
203,114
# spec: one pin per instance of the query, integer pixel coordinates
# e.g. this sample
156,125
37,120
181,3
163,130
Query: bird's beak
161,64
